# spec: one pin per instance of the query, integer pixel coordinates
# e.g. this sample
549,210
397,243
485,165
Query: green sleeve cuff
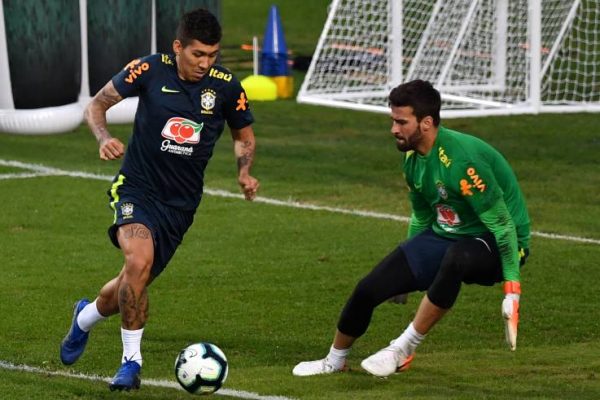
499,221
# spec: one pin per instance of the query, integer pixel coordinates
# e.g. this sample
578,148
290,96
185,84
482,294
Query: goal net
486,57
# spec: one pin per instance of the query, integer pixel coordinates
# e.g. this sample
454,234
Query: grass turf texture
267,283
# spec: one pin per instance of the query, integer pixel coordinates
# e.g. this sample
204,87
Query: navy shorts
424,254
167,224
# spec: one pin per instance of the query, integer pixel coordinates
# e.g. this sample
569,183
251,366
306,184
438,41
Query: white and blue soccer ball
201,368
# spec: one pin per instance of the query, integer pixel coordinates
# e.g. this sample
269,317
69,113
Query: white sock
337,357
408,341
132,341
89,316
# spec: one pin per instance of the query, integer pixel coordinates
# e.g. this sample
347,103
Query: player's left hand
249,186
510,312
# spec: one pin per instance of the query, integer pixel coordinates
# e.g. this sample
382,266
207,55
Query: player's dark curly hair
421,96
199,24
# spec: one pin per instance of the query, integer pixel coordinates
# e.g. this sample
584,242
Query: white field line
23,175
146,382
49,171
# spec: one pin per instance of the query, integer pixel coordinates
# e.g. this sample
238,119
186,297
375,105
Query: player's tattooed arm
247,154
244,147
95,116
95,112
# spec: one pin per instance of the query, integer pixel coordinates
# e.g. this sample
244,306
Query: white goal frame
540,53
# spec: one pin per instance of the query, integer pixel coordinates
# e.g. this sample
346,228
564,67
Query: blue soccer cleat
127,377
73,344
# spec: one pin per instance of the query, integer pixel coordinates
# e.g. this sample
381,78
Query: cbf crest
442,190
207,101
127,210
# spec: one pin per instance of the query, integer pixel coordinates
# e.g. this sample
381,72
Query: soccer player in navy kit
184,102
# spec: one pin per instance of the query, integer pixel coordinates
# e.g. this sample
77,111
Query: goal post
487,57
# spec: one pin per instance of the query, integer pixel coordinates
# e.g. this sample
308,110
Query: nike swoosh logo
165,89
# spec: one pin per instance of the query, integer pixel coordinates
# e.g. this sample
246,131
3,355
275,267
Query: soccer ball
201,368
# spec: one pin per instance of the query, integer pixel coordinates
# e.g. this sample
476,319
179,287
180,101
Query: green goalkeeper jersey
464,187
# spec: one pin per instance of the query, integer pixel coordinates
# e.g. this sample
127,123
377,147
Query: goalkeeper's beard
411,142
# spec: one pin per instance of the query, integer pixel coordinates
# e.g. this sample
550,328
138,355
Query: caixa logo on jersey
182,131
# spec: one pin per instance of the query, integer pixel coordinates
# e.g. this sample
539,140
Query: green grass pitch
266,282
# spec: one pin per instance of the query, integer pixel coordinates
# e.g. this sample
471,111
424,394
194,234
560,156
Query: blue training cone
274,56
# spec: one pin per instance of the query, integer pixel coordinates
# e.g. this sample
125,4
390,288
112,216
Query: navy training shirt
176,126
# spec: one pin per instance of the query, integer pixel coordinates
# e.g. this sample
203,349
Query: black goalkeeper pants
426,262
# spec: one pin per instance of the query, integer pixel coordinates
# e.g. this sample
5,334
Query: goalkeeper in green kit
469,224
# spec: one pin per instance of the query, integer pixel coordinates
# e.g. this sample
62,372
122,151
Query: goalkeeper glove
510,312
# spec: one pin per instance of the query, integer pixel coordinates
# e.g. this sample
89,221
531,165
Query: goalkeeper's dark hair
199,24
421,96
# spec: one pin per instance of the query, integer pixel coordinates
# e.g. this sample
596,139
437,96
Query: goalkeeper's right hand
510,312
